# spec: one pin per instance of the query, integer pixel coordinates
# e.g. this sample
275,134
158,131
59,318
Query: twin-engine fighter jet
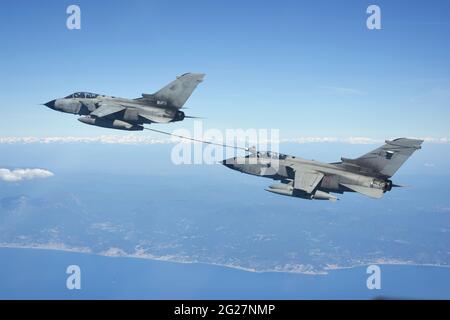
308,179
130,114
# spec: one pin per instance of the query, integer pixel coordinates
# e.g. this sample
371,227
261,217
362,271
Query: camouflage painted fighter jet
308,179
130,114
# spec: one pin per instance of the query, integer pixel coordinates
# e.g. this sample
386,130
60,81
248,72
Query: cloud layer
147,140
128,139
23,174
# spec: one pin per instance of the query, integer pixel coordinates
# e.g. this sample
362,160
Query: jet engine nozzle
179,116
388,186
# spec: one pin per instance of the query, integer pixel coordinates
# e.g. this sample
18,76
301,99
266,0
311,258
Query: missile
108,123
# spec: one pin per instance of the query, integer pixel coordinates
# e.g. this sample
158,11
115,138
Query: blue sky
309,68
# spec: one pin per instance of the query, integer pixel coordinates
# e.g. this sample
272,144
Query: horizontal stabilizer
155,118
370,192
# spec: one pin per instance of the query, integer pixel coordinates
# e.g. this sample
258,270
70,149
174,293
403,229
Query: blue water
41,274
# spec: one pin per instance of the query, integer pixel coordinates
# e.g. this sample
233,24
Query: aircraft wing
107,109
307,180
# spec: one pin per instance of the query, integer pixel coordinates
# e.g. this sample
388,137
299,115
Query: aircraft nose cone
50,104
228,163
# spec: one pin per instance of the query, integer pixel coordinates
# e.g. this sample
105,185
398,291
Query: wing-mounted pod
110,123
287,189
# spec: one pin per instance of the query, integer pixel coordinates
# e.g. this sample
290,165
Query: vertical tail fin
176,93
387,159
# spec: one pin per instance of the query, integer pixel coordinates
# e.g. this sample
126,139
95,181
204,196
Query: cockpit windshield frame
82,95
267,154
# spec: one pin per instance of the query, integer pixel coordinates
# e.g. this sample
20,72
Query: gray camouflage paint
130,114
309,179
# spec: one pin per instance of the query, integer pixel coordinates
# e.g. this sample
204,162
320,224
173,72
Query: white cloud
128,139
302,140
23,174
437,140
350,140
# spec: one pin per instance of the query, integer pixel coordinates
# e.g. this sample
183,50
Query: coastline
174,259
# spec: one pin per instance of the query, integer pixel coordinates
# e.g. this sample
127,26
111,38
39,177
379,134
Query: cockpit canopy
82,95
267,154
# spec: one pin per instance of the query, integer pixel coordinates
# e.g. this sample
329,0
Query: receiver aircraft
309,179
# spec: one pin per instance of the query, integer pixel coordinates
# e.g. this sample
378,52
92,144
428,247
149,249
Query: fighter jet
309,179
130,114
